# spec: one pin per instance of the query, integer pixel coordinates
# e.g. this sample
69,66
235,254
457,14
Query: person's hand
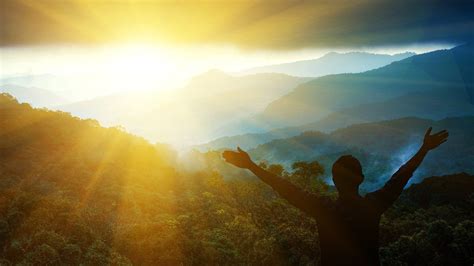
238,158
433,141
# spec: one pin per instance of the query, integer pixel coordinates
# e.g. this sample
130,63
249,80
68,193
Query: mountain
332,63
210,101
381,146
436,74
35,96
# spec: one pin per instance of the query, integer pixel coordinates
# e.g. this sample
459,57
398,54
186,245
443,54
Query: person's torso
348,233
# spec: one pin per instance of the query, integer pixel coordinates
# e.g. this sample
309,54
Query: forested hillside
73,192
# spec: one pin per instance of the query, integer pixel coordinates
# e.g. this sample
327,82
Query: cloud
247,24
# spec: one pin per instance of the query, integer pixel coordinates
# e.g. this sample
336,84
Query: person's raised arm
394,187
299,198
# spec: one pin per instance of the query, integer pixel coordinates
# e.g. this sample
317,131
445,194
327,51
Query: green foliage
72,254
435,246
42,255
308,176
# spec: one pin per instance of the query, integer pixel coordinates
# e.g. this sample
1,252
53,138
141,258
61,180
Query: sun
138,66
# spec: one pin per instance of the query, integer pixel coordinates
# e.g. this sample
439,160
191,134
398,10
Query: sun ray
62,18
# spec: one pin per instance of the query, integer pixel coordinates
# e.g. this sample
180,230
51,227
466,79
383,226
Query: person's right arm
303,200
394,187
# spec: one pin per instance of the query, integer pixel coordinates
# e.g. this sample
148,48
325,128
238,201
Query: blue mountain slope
437,73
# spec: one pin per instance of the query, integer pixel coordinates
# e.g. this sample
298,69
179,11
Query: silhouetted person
349,226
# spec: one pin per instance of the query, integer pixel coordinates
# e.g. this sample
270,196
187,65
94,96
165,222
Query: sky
248,24
122,45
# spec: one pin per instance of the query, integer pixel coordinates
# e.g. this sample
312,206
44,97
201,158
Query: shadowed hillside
431,223
441,190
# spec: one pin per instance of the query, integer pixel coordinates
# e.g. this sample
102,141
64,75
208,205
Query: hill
382,147
47,142
73,192
332,63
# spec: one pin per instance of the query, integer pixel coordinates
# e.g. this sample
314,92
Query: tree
308,176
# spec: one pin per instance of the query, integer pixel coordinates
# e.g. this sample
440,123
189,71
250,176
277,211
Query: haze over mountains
332,63
35,96
268,105
210,101
69,87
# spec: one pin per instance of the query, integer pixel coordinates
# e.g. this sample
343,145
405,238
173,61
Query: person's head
347,174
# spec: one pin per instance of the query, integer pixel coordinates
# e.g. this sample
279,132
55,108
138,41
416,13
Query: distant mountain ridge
436,74
332,63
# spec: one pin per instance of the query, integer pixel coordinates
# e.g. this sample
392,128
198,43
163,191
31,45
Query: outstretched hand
433,141
238,158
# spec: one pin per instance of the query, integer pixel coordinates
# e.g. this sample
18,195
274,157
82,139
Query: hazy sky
94,70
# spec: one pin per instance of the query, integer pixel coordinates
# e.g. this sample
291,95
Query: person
348,226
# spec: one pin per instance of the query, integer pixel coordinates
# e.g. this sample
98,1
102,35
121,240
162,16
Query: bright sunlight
138,65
